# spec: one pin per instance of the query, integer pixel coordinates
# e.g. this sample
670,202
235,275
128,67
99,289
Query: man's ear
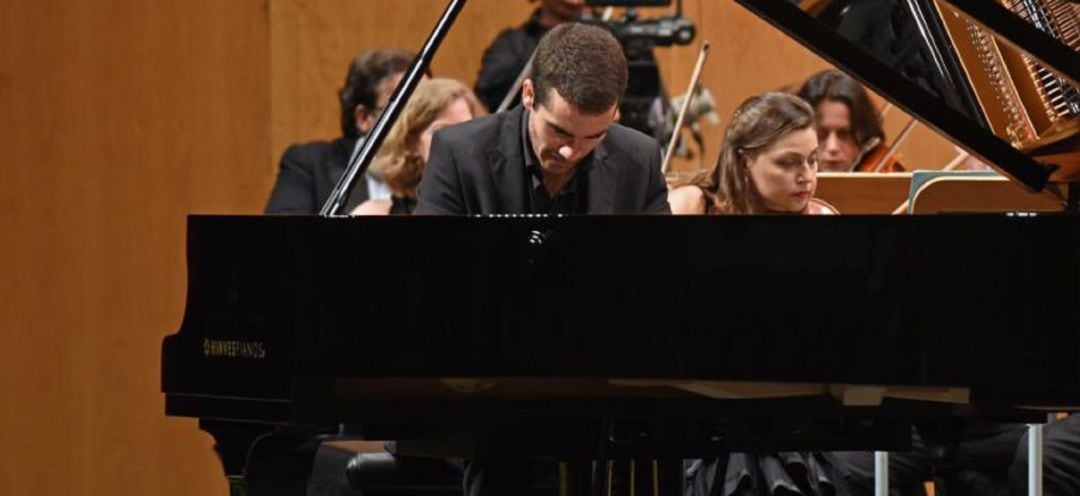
360,118
528,95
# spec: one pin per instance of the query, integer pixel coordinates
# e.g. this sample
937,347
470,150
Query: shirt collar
532,163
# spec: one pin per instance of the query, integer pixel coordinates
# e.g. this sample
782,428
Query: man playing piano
560,152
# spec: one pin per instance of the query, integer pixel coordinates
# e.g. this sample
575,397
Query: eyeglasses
371,112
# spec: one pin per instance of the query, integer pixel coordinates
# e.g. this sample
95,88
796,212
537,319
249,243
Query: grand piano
623,337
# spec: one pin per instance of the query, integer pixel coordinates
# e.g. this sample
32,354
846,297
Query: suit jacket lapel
508,165
603,183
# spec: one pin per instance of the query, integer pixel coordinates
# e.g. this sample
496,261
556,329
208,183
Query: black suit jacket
309,173
478,168
505,58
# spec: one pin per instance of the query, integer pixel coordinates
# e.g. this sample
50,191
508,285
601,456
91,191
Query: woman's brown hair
399,162
759,122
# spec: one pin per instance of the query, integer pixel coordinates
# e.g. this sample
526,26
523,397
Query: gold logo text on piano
221,348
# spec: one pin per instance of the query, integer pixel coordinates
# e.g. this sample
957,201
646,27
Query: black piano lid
964,127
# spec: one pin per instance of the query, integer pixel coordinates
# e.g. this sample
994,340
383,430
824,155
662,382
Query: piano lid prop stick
895,145
694,79
359,164
952,165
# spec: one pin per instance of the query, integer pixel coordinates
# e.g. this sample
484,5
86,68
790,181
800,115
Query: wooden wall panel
313,41
119,118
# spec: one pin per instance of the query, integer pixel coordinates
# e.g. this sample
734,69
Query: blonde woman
768,163
436,103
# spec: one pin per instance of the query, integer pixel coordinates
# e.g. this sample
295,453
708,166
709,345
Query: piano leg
233,442
668,472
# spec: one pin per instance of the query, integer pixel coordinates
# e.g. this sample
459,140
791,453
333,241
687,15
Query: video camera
661,31
645,105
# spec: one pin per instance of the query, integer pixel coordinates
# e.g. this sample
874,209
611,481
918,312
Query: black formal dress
401,205
1061,459
971,457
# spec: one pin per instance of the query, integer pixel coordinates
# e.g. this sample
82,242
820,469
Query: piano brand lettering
233,349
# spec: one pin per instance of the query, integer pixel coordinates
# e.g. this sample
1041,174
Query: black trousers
978,459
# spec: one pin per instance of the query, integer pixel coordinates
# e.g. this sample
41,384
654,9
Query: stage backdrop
120,117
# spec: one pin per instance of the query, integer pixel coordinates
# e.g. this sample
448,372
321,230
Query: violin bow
703,54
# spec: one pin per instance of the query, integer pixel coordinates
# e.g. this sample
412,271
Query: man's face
561,134
366,117
564,10
838,150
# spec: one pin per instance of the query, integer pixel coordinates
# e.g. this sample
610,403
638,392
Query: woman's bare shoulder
374,206
817,206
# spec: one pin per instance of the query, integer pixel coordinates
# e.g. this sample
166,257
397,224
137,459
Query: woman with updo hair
767,164
436,103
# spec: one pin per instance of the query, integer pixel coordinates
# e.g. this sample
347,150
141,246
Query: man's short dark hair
366,72
836,86
585,64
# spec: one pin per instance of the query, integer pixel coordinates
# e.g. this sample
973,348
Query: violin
876,157
878,154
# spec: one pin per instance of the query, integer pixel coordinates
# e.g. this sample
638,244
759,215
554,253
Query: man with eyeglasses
309,171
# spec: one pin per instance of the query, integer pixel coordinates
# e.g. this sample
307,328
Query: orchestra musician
768,163
560,152
309,171
436,103
507,55
849,126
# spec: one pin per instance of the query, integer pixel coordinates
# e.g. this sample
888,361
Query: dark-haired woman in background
849,125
